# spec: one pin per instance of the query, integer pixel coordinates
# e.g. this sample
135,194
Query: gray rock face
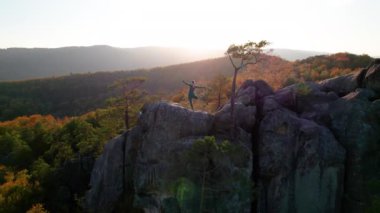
341,85
301,164
355,123
311,147
248,96
308,100
107,177
146,168
245,118
372,77
252,92
167,130
287,97
165,122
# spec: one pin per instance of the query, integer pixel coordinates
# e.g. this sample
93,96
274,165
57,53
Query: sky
317,25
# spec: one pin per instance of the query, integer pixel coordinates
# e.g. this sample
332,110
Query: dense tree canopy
46,162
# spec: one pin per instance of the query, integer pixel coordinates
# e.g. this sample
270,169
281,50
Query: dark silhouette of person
191,94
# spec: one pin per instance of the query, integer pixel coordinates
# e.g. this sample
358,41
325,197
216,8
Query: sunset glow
325,25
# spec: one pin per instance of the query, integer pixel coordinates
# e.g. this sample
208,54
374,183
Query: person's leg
191,103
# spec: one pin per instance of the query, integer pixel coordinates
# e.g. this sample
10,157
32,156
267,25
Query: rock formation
310,147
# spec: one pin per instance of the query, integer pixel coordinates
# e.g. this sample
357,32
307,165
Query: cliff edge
309,147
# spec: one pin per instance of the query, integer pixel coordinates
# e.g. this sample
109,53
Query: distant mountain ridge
29,63
24,63
292,55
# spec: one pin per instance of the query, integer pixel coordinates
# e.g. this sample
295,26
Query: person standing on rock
192,95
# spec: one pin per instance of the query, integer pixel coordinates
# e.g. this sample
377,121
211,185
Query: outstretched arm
186,83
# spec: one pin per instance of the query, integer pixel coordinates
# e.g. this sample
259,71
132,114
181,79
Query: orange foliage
30,121
273,70
341,57
16,191
37,208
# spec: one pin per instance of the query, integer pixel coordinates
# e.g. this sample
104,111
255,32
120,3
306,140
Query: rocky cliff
310,147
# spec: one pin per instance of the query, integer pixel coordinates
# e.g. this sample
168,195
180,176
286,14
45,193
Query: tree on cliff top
244,54
131,95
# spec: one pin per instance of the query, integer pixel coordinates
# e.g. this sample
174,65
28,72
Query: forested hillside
326,66
80,93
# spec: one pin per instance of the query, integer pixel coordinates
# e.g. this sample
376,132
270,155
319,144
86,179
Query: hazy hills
23,63
27,63
292,55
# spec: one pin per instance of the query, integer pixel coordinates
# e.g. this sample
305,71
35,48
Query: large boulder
163,122
341,85
248,98
168,133
372,76
245,118
159,166
252,92
355,122
300,162
287,97
308,100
